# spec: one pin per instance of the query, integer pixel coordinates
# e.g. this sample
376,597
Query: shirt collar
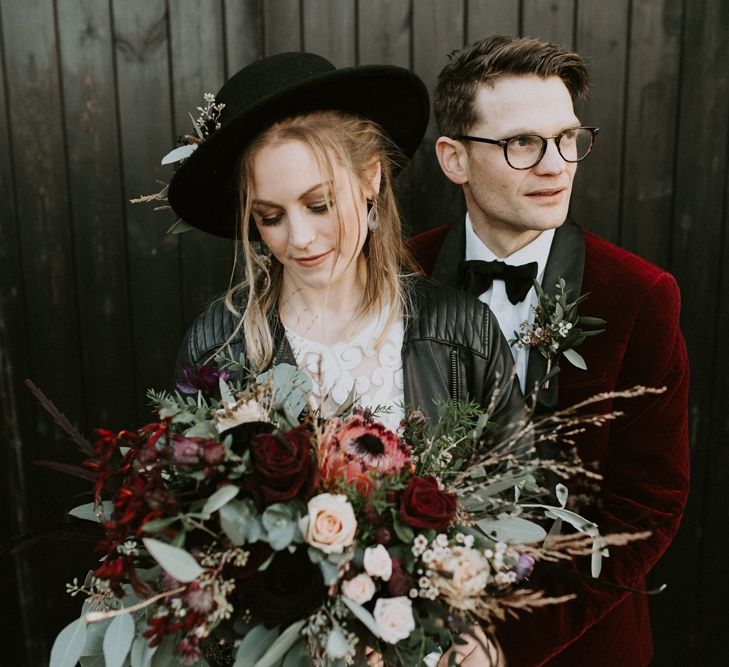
536,251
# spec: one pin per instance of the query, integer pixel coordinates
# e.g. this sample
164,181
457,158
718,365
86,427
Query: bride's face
316,237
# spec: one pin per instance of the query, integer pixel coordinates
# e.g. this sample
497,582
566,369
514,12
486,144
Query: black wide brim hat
203,192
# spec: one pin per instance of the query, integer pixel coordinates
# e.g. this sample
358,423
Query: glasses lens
575,144
524,151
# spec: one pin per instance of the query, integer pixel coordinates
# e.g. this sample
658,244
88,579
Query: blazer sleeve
645,487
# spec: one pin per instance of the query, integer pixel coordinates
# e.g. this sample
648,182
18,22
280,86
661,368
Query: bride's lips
312,260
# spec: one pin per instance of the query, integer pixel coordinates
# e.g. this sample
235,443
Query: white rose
330,524
394,618
361,588
240,412
377,562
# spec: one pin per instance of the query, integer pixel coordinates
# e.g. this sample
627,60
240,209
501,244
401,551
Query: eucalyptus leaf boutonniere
557,328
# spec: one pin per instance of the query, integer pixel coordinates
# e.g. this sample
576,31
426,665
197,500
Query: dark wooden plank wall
94,297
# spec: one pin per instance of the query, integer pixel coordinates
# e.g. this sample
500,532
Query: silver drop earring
373,221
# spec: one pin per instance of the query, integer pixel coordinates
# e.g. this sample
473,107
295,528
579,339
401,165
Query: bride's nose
301,232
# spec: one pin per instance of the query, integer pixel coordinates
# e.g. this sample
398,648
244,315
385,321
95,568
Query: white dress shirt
510,316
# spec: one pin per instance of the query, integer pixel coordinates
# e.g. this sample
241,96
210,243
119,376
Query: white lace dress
375,374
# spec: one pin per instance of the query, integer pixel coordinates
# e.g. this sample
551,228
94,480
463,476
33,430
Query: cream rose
240,412
394,618
377,562
361,588
330,524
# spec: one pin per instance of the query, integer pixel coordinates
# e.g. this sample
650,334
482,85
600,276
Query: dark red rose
283,465
424,505
289,589
399,582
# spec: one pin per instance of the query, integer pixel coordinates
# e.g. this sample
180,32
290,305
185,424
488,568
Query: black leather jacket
452,348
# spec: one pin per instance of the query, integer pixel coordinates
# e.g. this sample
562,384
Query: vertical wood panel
197,50
491,17
551,20
329,30
146,135
97,208
384,33
602,40
651,128
281,26
243,32
699,232
438,29
23,639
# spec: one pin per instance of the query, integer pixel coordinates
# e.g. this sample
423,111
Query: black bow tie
478,276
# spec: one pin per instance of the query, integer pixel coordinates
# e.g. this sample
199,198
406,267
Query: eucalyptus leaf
575,358
362,615
329,571
92,660
69,644
180,227
179,153
574,519
142,652
291,388
203,429
94,635
281,525
118,640
165,655
239,522
280,647
298,656
175,561
226,395
88,511
512,529
254,645
220,498
562,494
156,525
196,126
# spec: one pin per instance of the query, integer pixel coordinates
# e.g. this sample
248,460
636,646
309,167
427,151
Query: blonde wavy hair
356,144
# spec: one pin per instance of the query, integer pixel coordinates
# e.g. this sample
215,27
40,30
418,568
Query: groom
511,139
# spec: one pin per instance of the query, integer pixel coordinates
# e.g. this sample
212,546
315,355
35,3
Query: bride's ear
373,179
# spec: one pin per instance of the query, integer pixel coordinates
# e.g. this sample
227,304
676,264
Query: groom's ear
453,159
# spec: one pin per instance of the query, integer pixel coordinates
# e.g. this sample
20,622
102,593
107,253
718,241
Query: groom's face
519,204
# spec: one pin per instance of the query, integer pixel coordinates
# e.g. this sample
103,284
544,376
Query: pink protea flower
359,447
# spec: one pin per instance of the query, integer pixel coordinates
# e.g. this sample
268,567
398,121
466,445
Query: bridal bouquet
243,529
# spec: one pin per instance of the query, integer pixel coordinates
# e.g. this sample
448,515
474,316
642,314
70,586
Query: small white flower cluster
209,114
330,640
459,572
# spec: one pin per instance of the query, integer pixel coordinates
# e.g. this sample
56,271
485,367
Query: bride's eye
321,207
267,220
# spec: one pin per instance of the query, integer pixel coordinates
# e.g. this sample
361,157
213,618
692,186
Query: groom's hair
494,57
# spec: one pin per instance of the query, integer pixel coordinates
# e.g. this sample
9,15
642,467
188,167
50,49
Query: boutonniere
557,328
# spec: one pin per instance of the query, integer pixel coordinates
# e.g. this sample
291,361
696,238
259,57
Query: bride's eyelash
321,207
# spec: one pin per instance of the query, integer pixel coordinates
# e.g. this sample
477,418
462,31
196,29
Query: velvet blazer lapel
566,260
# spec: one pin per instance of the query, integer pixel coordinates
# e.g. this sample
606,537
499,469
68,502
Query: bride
298,167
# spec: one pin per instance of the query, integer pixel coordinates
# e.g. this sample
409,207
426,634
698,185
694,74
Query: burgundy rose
399,582
185,451
290,588
424,505
213,452
283,465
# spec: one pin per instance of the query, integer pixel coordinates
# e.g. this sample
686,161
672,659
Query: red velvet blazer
643,456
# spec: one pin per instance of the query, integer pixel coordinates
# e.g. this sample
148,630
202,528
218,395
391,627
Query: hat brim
202,191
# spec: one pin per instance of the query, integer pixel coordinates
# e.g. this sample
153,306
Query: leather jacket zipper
454,375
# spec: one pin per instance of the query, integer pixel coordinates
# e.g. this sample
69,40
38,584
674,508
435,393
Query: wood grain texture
602,40
281,26
97,209
198,67
142,62
329,28
243,33
650,136
551,20
698,256
384,32
491,17
438,29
